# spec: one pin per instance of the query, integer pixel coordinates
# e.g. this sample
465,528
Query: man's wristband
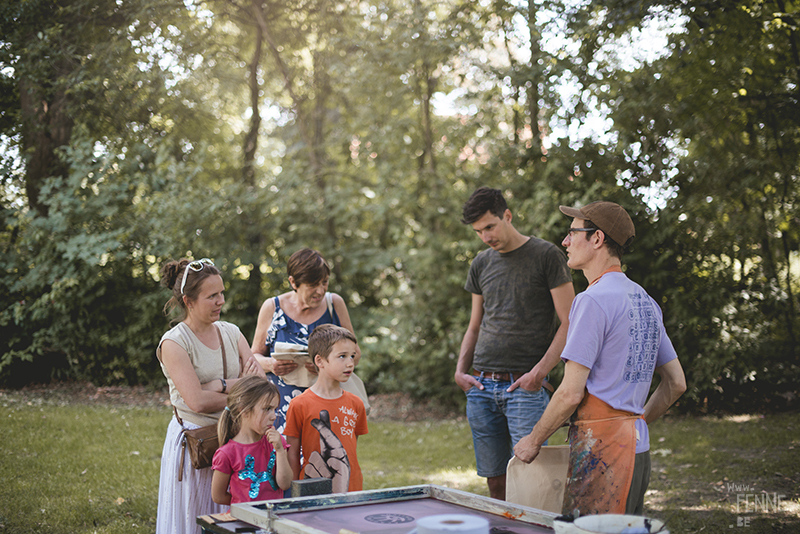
224,385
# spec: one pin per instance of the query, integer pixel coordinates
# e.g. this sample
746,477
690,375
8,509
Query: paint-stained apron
602,446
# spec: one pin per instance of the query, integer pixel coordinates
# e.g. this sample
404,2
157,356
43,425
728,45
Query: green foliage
136,132
713,122
79,301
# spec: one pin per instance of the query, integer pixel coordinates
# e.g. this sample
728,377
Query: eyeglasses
196,266
572,230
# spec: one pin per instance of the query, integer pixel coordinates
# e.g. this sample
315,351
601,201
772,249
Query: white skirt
179,503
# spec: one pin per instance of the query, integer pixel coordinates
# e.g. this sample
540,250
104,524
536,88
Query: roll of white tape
452,524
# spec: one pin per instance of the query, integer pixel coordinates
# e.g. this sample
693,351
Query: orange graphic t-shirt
328,430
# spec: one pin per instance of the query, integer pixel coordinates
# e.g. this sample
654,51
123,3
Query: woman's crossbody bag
201,442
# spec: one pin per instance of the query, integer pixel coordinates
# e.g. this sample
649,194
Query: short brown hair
482,200
307,266
324,337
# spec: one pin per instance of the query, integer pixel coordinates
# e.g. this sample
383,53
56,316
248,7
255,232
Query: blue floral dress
285,329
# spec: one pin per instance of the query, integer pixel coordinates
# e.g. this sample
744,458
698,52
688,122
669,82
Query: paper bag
541,483
282,346
300,377
356,386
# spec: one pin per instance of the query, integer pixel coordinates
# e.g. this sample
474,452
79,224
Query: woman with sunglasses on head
191,356
292,316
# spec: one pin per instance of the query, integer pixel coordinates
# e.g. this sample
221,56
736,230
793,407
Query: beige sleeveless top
207,364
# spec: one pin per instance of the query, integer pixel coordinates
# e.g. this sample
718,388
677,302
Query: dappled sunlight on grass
461,479
742,418
396,454
704,468
715,464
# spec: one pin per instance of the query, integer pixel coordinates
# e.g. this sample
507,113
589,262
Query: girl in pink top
252,463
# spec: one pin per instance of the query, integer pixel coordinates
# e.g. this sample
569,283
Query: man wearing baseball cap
615,343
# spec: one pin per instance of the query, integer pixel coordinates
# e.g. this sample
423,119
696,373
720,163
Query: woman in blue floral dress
292,316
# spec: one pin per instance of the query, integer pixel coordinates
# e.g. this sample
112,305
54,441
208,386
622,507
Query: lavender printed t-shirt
617,330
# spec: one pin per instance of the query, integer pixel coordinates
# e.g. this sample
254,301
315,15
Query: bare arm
294,456
465,357
344,318
183,375
259,346
248,365
566,398
219,487
283,469
672,386
562,300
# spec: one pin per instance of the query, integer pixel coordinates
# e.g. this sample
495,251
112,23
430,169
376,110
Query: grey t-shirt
519,319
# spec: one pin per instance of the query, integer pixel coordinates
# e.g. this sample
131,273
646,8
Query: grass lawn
79,469
715,474
428,452
93,467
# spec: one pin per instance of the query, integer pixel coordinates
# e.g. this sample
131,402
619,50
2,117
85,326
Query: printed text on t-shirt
644,335
348,422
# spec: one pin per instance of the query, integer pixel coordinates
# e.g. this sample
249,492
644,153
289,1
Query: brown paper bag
541,483
356,386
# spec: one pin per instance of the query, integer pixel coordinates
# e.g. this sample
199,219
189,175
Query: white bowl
610,524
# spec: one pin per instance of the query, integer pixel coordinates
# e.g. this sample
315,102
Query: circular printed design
388,519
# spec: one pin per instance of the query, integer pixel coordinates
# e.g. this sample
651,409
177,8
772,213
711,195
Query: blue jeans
499,419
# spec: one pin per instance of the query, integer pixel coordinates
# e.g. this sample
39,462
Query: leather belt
507,377
498,377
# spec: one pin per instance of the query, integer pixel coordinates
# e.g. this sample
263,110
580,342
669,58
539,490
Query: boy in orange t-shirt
324,422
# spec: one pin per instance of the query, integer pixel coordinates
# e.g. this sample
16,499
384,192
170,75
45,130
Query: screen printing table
386,511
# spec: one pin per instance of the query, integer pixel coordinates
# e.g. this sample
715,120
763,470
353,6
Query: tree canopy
139,131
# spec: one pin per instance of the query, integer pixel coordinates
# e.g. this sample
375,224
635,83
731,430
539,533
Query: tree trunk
256,239
251,139
533,90
427,124
46,126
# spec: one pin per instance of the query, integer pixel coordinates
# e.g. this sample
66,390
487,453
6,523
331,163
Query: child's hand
274,437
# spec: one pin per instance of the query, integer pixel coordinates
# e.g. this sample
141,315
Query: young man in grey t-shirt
521,288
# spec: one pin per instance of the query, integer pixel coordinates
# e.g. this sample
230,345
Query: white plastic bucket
610,524
451,524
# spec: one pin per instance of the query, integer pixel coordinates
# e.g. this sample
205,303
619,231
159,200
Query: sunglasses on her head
196,266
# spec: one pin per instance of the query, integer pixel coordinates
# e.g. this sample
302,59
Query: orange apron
602,452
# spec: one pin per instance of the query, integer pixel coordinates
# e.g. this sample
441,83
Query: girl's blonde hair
247,394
